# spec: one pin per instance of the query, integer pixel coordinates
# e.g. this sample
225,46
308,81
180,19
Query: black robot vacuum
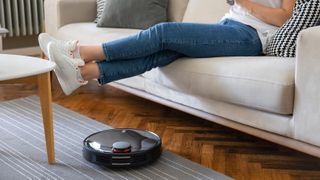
122,147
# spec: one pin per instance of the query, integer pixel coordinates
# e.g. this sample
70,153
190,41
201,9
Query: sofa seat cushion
264,83
88,33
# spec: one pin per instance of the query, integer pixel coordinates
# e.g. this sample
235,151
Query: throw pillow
136,14
305,14
100,7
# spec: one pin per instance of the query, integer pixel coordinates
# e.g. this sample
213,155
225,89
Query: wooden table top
15,66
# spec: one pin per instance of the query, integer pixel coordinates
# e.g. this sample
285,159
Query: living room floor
228,151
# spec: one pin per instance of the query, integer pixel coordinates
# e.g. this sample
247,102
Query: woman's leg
91,53
106,71
229,38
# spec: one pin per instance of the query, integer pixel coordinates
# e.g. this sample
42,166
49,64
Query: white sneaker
67,71
67,47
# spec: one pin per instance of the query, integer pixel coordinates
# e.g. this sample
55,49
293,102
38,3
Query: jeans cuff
102,79
106,51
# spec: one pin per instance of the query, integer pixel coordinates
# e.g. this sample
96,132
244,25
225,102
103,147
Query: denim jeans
165,42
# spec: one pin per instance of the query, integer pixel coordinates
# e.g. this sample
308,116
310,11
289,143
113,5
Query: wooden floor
228,151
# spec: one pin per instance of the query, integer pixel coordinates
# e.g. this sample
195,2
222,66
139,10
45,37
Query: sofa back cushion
177,9
205,11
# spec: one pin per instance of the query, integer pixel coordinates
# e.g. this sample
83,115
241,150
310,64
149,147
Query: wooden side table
23,69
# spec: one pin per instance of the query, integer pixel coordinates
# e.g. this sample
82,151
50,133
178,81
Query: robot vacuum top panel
122,141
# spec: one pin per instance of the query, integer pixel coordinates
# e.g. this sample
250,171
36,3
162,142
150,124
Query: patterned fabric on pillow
305,14
100,7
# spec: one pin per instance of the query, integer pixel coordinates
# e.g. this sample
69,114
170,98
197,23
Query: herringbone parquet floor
228,151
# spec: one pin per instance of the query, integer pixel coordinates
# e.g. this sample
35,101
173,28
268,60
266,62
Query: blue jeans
165,42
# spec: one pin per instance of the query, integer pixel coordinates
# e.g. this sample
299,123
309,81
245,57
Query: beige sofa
273,98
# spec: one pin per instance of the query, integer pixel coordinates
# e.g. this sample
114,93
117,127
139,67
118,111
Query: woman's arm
274,16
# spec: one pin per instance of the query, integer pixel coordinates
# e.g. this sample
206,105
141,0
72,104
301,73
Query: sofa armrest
307,92
61,12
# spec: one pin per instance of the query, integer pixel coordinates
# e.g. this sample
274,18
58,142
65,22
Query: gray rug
23,155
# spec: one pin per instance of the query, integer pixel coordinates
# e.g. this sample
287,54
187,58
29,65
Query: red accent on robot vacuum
121,150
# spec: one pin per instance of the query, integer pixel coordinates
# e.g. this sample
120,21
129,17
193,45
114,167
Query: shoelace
69,49
79,77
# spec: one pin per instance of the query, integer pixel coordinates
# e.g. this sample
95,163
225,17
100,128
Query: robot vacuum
122,147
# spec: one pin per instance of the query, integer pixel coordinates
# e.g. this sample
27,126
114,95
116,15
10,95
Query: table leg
44,88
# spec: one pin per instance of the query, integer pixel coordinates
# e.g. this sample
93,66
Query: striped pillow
306,14
100,7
